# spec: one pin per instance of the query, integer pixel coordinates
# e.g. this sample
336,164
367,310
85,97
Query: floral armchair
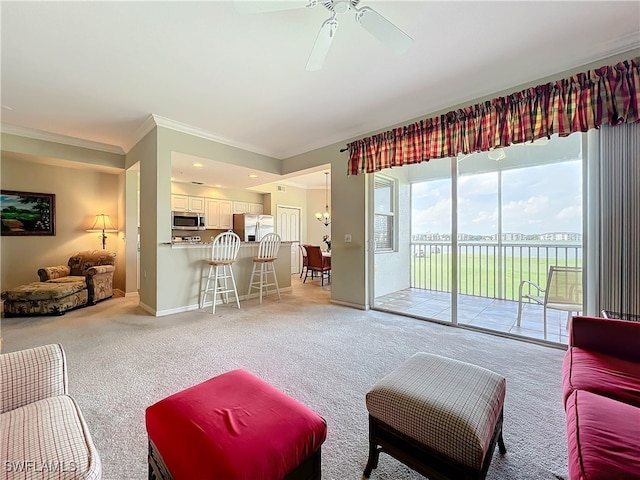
95,267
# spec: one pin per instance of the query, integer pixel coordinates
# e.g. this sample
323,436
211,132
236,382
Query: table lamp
103,224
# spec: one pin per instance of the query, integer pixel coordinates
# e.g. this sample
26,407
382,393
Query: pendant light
325,217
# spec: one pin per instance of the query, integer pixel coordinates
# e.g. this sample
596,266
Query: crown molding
62,139
624,44
198,132
144,128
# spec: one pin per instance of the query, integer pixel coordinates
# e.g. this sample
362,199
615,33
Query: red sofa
601,393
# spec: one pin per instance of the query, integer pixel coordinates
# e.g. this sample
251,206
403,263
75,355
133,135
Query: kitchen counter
188,263
208,244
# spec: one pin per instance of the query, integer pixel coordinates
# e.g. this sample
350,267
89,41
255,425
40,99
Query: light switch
347,238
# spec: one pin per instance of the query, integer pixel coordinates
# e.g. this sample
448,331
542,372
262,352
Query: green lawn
479,273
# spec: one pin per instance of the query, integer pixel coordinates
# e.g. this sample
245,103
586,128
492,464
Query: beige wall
80,195
145,154
222,193
315,229
68,155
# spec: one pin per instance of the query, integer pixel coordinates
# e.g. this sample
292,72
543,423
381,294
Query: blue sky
546,198
12,201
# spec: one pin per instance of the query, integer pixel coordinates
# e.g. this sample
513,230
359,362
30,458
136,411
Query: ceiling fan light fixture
341,6
497,154
382,29
374,23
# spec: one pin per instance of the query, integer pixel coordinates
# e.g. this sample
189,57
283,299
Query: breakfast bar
190,266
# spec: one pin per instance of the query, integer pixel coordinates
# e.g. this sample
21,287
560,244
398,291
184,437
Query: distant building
506,237
561,237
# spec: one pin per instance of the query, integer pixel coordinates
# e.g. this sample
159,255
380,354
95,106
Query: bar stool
267,254
224,251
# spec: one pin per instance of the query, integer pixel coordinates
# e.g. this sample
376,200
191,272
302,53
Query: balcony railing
489,270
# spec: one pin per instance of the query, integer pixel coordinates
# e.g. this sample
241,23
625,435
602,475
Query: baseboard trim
189,308
349,304
172,311
148,309
131,294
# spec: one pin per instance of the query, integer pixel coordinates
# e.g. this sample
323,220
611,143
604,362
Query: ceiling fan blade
256,6
322,44
383,30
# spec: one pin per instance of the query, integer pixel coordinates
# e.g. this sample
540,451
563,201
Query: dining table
326,257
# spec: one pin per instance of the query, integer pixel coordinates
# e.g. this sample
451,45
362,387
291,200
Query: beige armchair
95,267
44,434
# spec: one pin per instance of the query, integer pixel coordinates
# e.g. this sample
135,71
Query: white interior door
288,227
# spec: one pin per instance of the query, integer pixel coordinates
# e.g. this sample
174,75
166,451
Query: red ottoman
233,426
602,437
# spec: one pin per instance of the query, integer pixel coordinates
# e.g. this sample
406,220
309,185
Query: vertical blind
619,226
606,95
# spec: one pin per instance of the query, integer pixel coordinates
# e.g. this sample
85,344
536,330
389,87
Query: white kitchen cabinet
240,207
179,203
247,207
226,215
196,204
256,208
218,214
187,203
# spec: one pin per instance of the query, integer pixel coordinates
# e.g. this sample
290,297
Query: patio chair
563,292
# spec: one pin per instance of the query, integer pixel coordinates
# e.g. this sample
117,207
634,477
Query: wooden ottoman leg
374,451
157,469
501,446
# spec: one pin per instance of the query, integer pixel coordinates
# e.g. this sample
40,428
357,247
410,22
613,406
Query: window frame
384,181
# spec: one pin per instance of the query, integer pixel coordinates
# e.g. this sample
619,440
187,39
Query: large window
384,216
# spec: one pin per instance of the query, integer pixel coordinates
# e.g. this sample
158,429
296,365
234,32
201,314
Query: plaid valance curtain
606,95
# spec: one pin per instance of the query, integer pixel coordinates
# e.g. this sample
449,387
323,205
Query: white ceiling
97,70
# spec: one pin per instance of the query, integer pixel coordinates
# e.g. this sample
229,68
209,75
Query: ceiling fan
374,23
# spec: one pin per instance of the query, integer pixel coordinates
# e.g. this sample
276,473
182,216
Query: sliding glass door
415,276
481,235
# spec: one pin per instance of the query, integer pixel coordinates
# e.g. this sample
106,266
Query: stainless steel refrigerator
250,227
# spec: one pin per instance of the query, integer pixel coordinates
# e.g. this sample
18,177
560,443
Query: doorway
288,227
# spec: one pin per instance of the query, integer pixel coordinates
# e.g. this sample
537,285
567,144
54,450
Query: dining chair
224,251
317,263
305,259
263,265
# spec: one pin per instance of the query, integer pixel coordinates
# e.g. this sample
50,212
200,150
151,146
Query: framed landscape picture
27,213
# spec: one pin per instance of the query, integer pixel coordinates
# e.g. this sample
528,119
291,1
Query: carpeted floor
122,360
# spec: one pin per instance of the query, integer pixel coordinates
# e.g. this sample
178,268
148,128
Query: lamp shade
103,223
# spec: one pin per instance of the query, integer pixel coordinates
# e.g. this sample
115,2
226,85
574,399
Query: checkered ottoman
234,427
439,416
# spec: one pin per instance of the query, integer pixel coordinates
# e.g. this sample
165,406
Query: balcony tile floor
487,313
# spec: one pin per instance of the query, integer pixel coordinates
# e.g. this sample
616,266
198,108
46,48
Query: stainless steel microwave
187,221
